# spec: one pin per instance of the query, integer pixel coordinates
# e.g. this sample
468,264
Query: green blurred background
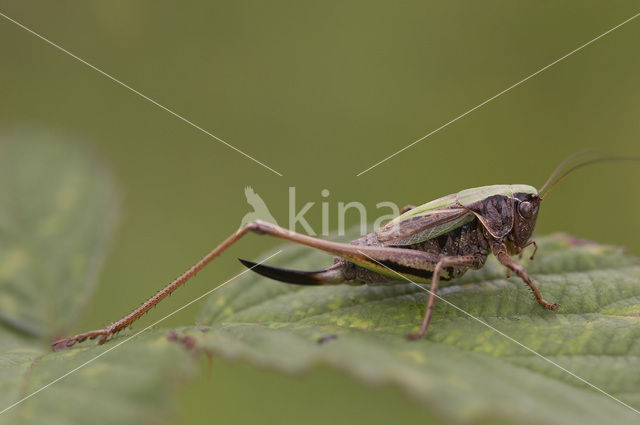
319,92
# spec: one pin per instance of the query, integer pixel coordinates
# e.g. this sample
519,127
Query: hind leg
401,256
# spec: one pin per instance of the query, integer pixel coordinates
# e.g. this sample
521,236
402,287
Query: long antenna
552,181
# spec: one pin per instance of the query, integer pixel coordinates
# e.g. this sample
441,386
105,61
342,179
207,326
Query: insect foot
104,334
542,302
414,335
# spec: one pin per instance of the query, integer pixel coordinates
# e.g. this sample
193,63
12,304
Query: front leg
500,251
533,254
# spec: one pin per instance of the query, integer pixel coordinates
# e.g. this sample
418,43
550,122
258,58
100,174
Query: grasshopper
434,242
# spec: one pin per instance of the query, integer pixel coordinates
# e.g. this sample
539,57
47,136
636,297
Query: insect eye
525,209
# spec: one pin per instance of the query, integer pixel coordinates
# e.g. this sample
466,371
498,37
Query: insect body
439,240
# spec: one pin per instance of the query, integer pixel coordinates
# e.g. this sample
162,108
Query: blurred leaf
129,385
57,212
462,370
16,355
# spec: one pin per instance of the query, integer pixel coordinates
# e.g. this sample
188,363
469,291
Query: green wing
425,222
445,214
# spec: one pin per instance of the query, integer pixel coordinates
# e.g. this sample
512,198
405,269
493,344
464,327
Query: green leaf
57,212
130,384
462,370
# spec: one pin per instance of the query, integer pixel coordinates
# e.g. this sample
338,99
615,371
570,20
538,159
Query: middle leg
463,261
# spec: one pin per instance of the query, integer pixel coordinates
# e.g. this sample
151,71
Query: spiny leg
468,261
500,251
108,332
535,249
533,254
349,252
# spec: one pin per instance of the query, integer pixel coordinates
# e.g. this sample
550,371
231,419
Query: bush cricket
433,242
